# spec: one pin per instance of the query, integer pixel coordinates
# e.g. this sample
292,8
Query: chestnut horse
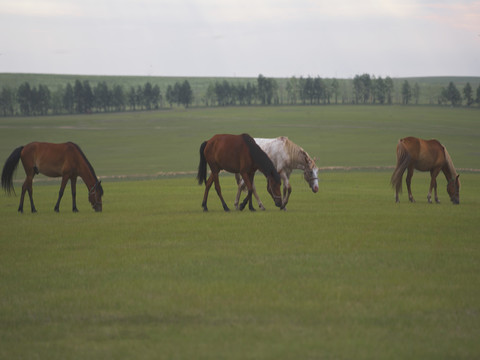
54,160
236,154
286,156
425,155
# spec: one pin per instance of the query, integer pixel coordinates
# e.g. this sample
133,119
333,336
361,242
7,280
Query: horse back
227,152
425,154
50,159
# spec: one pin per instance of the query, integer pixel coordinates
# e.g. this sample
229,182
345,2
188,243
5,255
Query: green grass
345,273
151,142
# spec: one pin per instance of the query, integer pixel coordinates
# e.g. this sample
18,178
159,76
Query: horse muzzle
315,188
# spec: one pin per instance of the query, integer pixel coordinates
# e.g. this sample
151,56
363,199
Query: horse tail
403,159
9,169
202,166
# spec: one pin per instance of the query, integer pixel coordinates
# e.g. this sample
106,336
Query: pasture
345,273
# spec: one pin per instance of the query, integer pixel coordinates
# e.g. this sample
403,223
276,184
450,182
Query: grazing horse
236,154
425,155
286,156
54,160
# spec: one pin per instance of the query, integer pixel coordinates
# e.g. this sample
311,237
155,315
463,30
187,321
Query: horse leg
433,185
208,184
27,186
60,193
219,192
248,182
409,183
260,204
287,190
73,183
241,186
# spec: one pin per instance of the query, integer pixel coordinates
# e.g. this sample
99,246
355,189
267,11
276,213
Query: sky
245,38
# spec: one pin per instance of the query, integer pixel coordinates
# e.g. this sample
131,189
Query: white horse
286,156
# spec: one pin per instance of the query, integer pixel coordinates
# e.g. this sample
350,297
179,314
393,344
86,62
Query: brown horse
54,160
236,154
425,155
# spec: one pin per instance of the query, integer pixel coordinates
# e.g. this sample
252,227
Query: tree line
82,98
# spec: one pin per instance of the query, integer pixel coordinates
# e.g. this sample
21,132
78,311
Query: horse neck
449,169
87,174
298,157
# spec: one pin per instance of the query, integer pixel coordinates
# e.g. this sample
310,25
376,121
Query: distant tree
43,99
477,100
468,94
416,93
222,93
389,89
406,93
319,90
265,89
68,99
380,89
79,97
147,95
24,97
210,97
186,94
118,98
156,97
102,96
170,95
362,86
453,95
88,97
7,101
251,93
335,90
309,90
292,90
57,100
132,98
139,96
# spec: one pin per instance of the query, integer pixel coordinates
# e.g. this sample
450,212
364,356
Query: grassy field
345,273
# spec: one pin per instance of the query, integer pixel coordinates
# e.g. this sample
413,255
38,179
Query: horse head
453,189
273,188
311,177
310,174
95,196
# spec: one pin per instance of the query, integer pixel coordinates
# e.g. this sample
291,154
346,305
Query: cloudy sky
276,38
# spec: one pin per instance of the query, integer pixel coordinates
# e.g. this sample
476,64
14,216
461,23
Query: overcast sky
245,38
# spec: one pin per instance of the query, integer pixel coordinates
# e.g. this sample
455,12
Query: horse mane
297,152
265,165
88,163
449,161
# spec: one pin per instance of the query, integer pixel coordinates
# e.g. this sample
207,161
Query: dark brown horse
425,155
54,160
236,154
